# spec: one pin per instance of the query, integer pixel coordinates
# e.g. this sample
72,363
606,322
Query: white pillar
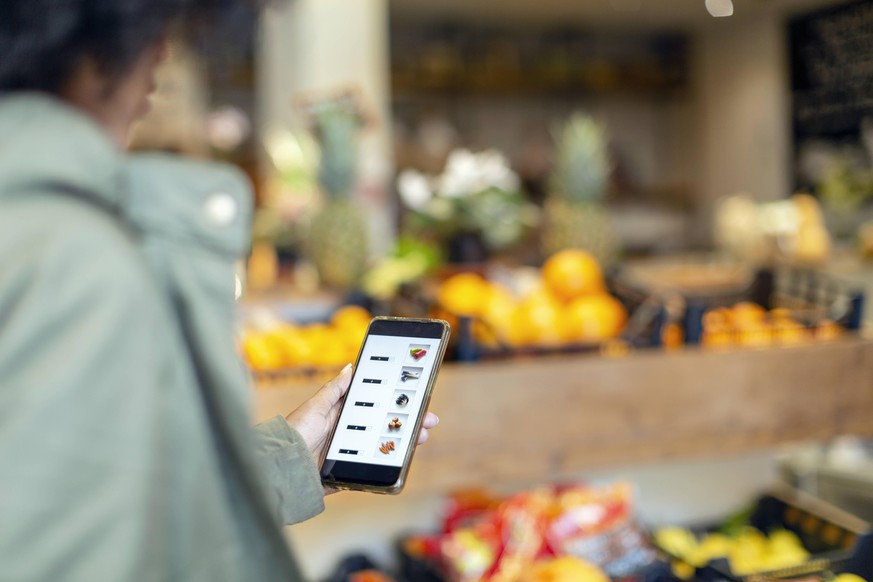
320,46
744,115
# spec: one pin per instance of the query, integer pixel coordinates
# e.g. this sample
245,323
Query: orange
465,294
747,313
288,341
716,317
755,334
261,352
593,319
781,314
672,336
536,321
572,273
327,345
828,330
498,311
717,336
789,332
351,316
563,569
485,335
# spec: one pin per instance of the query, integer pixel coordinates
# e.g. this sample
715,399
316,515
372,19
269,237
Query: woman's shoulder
70,240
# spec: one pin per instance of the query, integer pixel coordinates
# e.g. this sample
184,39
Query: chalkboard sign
832,70
832,88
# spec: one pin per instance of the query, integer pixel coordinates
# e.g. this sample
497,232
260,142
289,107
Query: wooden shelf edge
522,421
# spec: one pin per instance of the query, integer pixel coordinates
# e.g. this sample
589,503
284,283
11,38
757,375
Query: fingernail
436,419
346,370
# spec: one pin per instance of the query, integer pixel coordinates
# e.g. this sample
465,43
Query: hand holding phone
372,444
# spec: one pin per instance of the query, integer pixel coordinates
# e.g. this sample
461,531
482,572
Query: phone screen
387,395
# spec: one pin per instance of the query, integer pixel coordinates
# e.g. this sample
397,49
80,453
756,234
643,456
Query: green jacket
126,452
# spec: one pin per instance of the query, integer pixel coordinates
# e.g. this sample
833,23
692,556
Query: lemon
593,318
572,273
465,294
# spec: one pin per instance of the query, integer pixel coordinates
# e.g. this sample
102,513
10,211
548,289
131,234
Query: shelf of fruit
566,304
759,379
565,307
283,352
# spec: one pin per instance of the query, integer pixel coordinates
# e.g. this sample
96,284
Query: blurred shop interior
650,223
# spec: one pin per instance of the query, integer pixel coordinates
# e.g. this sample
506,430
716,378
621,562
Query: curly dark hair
43,41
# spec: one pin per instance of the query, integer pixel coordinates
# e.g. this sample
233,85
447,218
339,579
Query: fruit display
567,304
574,212
750,325
579,533
748,552
281,345
563,569
786,535
720,303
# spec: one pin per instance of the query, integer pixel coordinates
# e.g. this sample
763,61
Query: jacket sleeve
290,471
80,402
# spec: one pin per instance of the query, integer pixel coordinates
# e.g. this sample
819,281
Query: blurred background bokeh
649,222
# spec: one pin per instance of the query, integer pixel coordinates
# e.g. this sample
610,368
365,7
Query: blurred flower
414,189
477,192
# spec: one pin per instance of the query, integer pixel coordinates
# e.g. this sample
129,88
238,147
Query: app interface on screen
384,400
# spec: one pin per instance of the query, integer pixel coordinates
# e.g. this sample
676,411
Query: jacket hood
46,143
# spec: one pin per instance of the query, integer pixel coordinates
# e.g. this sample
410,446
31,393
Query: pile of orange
750,325
570,305
286,345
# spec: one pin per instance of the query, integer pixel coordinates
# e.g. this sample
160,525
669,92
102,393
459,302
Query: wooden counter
551,418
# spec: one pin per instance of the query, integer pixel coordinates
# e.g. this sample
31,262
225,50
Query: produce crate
828,533
811,296
644,329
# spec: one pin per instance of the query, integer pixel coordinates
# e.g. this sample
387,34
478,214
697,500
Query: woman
125,452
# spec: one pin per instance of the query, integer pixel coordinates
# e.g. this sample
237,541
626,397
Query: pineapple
337,242
574,213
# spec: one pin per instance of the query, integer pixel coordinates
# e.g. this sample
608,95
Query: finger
423,436
430,420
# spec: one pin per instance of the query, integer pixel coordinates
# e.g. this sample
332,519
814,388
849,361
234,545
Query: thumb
334,389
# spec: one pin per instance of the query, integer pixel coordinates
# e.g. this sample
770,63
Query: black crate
837,541
810,295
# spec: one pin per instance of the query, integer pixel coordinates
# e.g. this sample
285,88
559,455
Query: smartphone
371,446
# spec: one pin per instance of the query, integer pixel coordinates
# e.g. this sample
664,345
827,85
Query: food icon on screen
402,400
417,352
387,447
409,375
395,424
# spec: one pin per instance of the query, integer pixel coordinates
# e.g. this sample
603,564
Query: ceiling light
720,8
